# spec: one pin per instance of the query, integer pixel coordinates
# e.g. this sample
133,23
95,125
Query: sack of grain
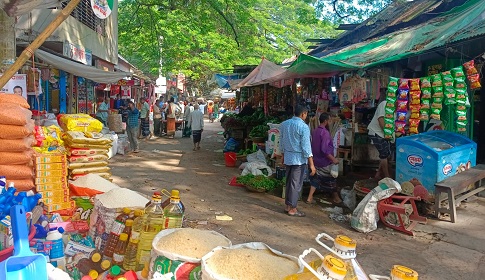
81,138
90,146
86,152
13,114
17,145
80,165
87,170
180,251
16,172
93,158
115,123
22,185
249,261
80,122
13,99
107,207
16,131
8,158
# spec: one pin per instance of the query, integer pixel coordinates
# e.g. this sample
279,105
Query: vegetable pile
259,131
259,182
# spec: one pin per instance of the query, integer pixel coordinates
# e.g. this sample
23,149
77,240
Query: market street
440,250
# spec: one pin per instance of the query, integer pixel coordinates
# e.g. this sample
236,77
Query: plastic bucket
8,252
230,158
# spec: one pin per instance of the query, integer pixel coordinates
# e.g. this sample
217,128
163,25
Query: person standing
186,131
157,118
102,113
132,126
196,123
376,134
323,159
171,111
297,155
145,119
118,102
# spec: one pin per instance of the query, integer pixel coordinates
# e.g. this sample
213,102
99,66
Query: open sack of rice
248,261
179,251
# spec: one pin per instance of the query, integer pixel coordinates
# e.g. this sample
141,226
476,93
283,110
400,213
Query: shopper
118,102
376,134
102,113
145,119
132,126
187,111
171,111
297,156
196,122
157,118
323,159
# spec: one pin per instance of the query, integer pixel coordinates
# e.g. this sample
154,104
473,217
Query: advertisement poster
125,92
17,85
102,8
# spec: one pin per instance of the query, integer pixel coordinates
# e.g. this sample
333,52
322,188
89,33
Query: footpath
438,251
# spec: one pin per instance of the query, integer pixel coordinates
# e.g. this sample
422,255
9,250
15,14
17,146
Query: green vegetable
259,131
259,182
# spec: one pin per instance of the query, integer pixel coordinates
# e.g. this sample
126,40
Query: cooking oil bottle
398,272
331,268
116,230
344,248
153,224
129,262
173,213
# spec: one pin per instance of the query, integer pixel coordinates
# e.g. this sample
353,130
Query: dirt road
440,250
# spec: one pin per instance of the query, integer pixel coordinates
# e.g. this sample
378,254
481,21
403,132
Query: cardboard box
50,180
50,173
59,206
54,200
51,166
51,186
49,158
55,193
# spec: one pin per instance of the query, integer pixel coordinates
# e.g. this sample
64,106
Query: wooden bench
458,189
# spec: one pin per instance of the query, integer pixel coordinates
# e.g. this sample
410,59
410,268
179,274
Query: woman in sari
171,108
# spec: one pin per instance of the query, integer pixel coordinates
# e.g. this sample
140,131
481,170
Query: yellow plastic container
398,272
330,268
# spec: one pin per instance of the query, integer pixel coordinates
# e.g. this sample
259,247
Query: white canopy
20,7
80,70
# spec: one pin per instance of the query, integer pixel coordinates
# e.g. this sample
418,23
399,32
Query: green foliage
204,37
346,11
259,182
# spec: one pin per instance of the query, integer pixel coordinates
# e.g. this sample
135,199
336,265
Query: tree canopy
350,11
202,37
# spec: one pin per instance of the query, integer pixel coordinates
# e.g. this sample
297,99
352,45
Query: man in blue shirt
132,126
296,151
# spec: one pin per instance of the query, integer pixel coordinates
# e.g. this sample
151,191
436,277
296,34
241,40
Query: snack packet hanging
461,94
459,84
436,105
415,115
425,82
391,92
470,68
435,114
457,72
388,133
393,82
438,92
436,80
425,92
402,106
403,94
414,84
461,115
424,115
400,127
413,126
450,95
404,84
401,116
425,104
388,123
415,108
461,126
391,105
474,81
391,99
460,107
437,100
389,112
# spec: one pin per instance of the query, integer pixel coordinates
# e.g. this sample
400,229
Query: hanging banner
17,85
125,92
102,8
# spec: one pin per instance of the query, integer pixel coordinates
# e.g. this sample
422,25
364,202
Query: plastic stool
386,206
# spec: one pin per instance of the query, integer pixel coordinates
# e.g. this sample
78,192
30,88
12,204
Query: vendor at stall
102,113
247,110
376,134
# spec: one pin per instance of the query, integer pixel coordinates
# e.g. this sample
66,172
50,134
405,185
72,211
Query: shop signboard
102,8
126,83
125,92
17,85
78,53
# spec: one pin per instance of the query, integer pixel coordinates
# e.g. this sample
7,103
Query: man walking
196,123
132,126
323,158
297,156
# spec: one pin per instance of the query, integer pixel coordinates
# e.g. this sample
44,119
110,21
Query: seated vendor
323,158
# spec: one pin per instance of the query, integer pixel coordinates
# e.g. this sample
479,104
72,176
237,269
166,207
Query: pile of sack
16,128
87,148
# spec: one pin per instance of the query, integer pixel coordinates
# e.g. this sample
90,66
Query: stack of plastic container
16,128
51,181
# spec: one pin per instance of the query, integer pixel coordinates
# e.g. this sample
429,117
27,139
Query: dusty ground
440,250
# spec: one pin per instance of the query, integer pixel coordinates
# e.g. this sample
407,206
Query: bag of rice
13,99
92,158
16,172
81,138
249,261
16,157
80,122
79,165
14,114
16,131
90,185
16,145
22,185
107,207
86,152
180,251
87,170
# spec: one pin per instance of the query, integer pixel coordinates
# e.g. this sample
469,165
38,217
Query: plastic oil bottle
344,248
129,262
331,268
153,224
398,272
120,250
173,213
116,230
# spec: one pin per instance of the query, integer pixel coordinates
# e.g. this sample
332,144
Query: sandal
297,214
310,202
